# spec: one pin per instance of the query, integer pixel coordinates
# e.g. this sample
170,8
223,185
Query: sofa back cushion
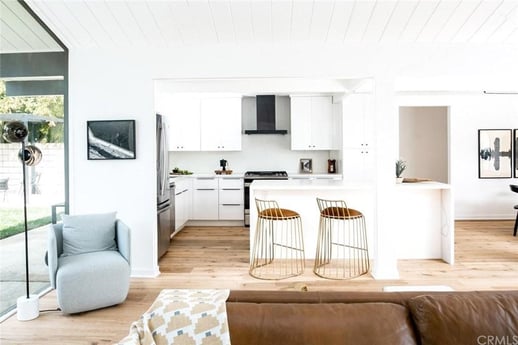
467,318
88,233
317,324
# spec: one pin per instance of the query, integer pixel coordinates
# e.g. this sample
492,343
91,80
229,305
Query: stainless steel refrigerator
163,192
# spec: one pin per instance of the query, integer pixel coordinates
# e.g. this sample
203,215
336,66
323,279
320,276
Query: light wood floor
486,259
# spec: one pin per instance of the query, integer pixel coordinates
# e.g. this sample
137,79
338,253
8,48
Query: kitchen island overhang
421,225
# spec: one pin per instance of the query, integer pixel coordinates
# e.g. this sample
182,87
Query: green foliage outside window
40,132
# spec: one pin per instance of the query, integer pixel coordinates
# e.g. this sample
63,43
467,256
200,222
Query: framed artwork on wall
306,165
515,153
111,139
495,153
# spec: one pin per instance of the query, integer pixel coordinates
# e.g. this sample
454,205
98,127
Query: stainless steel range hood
265,106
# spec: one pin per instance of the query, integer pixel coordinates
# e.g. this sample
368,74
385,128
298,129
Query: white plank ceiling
20,32
154,23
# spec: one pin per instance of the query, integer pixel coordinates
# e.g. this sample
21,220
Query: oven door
246,199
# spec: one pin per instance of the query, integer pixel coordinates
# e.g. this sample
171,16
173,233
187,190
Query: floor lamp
16,132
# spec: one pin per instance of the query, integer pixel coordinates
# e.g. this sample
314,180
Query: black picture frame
515,150
306,165
111,139
494,153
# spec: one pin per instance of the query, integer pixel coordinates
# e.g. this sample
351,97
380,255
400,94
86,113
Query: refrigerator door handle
165,157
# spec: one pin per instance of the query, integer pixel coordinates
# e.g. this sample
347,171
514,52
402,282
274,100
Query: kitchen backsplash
259,152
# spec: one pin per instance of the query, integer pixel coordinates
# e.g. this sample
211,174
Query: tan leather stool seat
340,212
278,213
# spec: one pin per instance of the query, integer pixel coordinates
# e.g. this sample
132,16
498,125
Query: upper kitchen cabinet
358,125
221,124
183,117
314,120
358,135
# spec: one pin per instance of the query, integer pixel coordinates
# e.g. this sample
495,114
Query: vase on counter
399,180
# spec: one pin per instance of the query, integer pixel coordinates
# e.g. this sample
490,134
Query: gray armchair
90,280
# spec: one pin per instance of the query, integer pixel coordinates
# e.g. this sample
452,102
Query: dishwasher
164,227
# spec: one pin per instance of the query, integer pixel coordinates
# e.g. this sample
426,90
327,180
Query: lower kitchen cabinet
231,212
231,204
209,198
205,199
183,202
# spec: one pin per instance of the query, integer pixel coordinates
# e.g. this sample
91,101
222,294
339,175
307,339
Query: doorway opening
424,142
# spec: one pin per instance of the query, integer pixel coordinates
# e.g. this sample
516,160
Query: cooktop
259,174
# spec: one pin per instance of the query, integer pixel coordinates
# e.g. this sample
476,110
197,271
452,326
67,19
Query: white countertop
210,175
423,185
325,184
314,176
307,185
242,174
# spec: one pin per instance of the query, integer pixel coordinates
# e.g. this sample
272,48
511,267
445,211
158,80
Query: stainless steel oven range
250,176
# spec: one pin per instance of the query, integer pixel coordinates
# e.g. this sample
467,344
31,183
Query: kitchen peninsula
422,226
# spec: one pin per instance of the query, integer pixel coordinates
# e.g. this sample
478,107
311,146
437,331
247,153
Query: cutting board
415,179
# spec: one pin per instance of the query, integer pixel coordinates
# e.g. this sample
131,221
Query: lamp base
27,308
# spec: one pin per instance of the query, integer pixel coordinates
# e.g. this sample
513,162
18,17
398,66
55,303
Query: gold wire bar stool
342,251
278,250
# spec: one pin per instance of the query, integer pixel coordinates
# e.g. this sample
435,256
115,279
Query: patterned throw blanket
183,317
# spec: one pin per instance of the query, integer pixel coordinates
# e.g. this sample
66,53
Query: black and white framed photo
516,153
306,165
111,139
494,153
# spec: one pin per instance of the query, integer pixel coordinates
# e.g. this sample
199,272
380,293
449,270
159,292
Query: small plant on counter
177,171
400,167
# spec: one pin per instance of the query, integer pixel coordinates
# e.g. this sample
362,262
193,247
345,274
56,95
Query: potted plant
400,167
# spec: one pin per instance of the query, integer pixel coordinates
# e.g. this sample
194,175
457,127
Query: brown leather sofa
370,318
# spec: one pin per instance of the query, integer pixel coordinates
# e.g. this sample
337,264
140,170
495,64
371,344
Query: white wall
480,198
115,87
423,142
119,85
475,198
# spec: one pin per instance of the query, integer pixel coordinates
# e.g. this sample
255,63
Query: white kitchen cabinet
231,199
183,201
221,124
358,128
358,165
313,123
183,119
205,199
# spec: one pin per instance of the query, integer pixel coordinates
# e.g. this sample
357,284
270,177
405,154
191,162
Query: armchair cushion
91,281
88,233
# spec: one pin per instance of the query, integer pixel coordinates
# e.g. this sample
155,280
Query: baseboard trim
215,223
402,288
145,273
486,217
